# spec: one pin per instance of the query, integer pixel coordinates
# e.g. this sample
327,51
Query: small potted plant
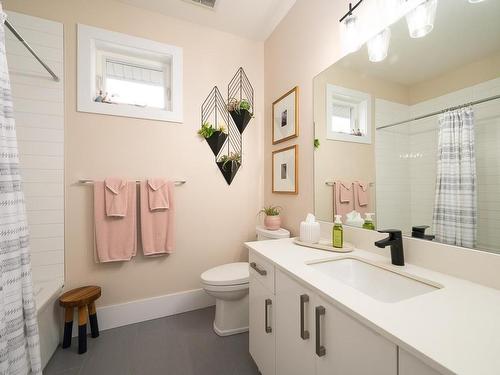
241,112
214,136
229,165
272,218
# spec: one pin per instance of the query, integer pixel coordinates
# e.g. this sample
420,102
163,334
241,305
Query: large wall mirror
416,136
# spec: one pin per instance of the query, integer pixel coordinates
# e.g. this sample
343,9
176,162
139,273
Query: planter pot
241,119
216,141
272,222
229,170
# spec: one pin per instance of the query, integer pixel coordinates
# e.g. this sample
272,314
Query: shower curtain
19,341
455,207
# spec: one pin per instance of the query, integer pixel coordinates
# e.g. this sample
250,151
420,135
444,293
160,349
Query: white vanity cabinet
314,337
262,315
410,365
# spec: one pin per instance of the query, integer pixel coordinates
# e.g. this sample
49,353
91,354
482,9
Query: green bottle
338,233
369,222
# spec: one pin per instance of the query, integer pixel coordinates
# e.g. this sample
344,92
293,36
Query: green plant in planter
271,210
235,105
207,130
233,157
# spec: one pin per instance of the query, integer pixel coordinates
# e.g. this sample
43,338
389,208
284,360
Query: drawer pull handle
320,349
259,270
268,303
304,334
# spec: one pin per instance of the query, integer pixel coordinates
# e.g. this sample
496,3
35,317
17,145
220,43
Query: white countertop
455,330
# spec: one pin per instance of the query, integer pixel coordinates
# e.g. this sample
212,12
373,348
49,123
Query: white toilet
228,283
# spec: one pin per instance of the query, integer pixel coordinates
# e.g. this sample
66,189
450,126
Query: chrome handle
304,334
260,271
268,303
320,349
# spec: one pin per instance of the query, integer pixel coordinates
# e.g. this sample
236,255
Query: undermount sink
382,284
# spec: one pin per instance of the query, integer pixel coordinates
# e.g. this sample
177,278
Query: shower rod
441,111
32,51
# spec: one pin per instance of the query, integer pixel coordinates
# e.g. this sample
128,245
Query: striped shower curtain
19,341
455,207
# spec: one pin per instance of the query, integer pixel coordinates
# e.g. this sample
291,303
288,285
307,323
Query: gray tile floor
183,344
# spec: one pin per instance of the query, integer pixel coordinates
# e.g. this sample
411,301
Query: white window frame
361,101
88,40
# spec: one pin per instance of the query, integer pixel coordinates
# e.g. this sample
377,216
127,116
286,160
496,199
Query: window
348,115
127,76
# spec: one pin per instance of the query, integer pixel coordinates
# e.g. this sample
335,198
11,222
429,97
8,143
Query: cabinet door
261,326
294,327
410,365
346,347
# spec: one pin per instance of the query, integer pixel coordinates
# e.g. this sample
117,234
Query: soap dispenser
338,233
369,221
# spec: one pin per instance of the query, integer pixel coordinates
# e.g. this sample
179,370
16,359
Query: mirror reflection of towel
345,191
362,192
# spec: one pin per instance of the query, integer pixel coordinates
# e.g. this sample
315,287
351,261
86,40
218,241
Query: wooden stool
82,298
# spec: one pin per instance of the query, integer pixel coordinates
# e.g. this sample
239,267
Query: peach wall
97,146
306,42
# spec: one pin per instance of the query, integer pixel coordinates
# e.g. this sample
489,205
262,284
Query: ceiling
254,19
463,33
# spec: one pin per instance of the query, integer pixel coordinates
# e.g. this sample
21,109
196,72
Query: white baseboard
150,308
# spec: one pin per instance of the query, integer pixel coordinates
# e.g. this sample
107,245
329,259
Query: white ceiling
254,19
463,33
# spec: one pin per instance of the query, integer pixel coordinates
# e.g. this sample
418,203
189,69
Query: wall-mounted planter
216,141
233,115
241,119
229,170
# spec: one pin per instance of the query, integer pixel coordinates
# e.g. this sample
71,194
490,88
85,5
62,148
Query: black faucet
395,241
419,232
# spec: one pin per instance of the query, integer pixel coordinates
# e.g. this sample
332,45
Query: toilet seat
227,275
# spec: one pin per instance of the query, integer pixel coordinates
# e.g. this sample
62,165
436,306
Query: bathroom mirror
431,109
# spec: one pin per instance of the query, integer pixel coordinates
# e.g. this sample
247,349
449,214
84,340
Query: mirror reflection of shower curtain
19,341
455,206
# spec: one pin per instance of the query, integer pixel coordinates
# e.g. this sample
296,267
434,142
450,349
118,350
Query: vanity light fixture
475,1
378,46
351,30
421,19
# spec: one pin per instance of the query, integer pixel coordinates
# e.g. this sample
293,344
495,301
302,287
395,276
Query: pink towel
343,201
115,237
362,191
157,226
116,196
158,194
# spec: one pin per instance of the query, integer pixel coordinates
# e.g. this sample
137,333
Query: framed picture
286,116
285,170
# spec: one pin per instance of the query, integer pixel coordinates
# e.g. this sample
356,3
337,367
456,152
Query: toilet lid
227,274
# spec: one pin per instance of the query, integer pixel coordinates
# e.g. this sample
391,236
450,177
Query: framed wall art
286,116
285,170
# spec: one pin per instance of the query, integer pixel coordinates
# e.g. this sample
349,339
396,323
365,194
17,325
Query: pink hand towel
116,196
362,190
158,194
346,193
342,207
157,226
115,237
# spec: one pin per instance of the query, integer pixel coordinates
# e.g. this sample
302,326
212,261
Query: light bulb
351,34
421,19
378,46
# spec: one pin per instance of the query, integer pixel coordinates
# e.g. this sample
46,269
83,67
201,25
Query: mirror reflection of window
343,120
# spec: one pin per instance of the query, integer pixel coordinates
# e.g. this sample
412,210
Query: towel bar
89,182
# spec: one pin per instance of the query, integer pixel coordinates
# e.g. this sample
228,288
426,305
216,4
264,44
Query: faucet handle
394,234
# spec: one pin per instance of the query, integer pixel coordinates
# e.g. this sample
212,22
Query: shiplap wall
39,114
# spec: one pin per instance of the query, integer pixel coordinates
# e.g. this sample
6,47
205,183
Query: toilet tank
266,234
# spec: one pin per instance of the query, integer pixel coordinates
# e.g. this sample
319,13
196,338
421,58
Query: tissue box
309,232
